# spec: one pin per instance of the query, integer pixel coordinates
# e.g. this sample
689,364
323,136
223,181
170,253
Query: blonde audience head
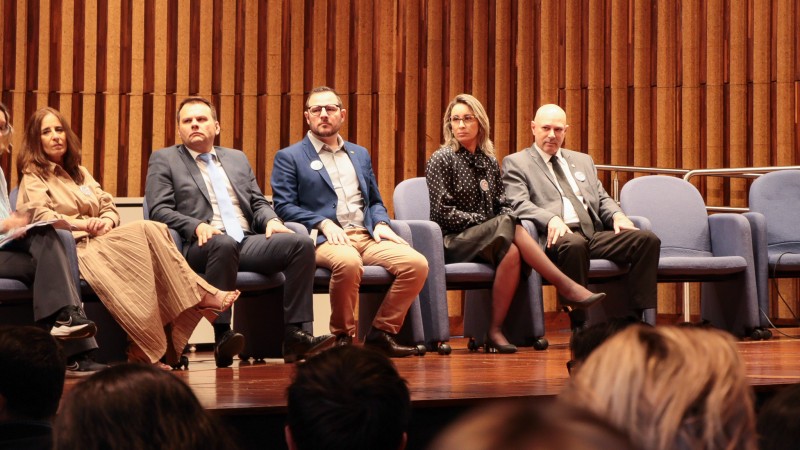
523,425
669,388
36,155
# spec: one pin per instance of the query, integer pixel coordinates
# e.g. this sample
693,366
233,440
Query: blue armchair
715,250
774,214
524,324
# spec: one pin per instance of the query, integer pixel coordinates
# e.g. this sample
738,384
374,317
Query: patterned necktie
224,203
583,215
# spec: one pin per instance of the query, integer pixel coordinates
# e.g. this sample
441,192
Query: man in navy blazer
531,179
227,225
327,184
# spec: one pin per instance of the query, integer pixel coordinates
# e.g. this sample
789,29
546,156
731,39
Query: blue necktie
224,203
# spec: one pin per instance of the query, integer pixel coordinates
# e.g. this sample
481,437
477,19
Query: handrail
615,178
738,172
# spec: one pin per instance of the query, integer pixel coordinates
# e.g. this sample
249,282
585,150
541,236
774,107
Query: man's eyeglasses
317,110
467,118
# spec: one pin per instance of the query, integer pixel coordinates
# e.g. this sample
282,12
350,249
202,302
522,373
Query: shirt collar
196,154
317,143
546,156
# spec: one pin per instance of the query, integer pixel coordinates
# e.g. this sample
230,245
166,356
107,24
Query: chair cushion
788,261
373,276
701,266
468,272
252,281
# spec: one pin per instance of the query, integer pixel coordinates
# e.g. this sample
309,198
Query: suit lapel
541,164
362,182
194,171
312,156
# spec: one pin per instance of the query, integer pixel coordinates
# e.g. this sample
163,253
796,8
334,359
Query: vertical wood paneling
688,83
714,104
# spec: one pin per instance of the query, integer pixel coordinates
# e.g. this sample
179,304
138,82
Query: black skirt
488,242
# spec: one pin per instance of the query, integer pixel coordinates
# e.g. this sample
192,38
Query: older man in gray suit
559,191
210,196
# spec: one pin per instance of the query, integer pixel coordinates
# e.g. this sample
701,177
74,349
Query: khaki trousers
346,264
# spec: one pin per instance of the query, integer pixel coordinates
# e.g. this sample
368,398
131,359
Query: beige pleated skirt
146,284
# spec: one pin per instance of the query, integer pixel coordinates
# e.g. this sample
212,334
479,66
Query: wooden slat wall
686,83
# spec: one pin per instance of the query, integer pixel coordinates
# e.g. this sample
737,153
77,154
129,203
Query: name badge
86,190
485,186
316,165
580,176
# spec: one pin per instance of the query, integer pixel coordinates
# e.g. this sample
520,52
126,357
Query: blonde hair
670,388
484,143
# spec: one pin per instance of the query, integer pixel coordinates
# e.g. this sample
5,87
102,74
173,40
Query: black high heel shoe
585,303
490,346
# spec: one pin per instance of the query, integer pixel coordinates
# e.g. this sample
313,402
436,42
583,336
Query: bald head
549,128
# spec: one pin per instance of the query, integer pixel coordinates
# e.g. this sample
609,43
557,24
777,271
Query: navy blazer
176,193
302,194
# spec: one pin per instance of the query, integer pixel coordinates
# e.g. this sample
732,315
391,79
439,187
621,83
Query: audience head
549,128
6,130
135,406
347,398
32,369
49,139
779,420
523,425
475,128
585,341
669,388
197,124
324,113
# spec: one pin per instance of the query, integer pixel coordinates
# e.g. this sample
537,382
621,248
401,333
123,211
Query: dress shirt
570,216
465,189
216,220
350,203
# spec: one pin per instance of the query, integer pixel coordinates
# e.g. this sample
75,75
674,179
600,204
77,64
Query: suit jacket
302,194
534,195
176,193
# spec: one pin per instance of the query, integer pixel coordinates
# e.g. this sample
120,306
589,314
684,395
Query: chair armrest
642,223
758,231
297,228
176,237
401,228
730,236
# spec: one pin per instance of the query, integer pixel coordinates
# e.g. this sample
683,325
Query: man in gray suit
210,196
559,191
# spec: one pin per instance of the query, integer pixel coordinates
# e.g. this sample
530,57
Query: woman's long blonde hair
484,143
670,388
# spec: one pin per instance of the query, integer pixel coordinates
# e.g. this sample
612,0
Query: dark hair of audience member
32,368
585,341
523,425
135,406
779,420
669,388
348,398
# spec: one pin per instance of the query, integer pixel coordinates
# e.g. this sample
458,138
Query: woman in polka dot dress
468,202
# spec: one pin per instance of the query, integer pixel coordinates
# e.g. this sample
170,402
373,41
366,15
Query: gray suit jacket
177,196
534,195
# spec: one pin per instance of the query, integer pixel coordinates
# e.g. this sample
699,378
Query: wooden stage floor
251,396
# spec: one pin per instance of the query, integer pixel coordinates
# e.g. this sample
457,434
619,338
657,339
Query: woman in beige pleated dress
135,269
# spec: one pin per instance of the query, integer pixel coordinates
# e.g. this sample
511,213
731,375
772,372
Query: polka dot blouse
465,189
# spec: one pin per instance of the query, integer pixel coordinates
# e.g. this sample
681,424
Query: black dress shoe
489,346
585,303
343,339
297,344
228,346
385,343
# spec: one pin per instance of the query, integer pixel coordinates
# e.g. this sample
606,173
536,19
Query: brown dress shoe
385,343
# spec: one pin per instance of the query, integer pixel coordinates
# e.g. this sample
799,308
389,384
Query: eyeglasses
468,119
317,109
6,129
